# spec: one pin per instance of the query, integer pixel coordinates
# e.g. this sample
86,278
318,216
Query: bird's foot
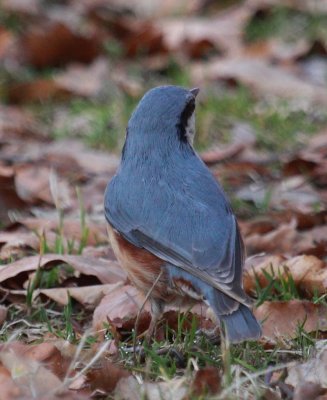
213,335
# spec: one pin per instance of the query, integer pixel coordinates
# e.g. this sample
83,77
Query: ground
71,73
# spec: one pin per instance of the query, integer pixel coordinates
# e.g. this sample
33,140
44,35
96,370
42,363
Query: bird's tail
239,321
241,325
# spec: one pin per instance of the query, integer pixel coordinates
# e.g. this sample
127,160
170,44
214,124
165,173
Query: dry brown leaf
57,43
3,314
29,374
280,240
281,319
271,220
93,162
308,272
86,81
141,8
33,184
38,90
71,228
120,308
223,31
313,371
260,77
6,40
308,390
107,271
21,7
143,37
294,192
206,381
9,200
88,296
129,388
242,137
239,173
106,376
15,242
34,370
9,390
16,123
318,143
276,49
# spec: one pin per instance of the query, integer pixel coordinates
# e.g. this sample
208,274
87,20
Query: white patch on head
190,129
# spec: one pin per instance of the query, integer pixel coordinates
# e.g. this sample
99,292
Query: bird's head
165,112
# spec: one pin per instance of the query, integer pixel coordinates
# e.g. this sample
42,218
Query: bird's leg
213,335
157,309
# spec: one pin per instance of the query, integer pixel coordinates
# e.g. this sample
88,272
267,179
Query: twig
140,311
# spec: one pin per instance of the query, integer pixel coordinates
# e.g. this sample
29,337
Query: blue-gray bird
169,220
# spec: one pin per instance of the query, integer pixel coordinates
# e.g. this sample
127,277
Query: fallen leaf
106,376
70,228
142,8
86,81
308,390
77,80
239,173
15,242
16,124
21,7
242,136
28,373
93,162
282,319
107,271
276,49
308,273
38,90
206,381
277,81
120,308
279,240
3,314
129,388
30,368
88,296
223,32
33,184
294,192
9,200
56,43
313,371
9,390
6,40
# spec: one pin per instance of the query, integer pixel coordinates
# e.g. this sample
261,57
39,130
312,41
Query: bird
169,221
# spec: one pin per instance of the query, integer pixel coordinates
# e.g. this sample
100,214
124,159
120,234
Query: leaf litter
68,312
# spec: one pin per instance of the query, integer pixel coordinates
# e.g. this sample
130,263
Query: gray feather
164,199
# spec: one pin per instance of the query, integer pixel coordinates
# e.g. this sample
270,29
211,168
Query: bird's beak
195,91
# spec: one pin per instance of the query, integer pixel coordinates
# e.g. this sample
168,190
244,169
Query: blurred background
71,73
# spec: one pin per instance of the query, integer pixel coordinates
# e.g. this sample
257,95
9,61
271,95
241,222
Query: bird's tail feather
239,321
241,325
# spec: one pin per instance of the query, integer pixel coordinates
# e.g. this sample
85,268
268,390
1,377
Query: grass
102,125
279,287
181,350
286,23
276,126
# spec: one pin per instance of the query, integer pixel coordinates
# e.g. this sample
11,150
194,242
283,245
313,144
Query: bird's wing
190,225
